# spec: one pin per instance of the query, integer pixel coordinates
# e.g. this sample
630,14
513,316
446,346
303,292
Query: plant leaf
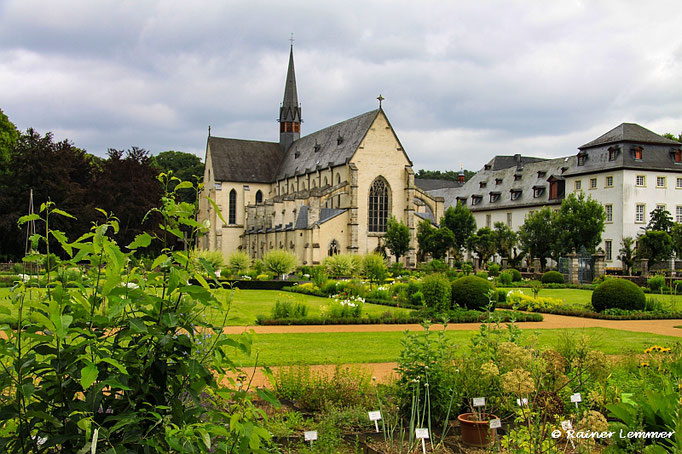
141,240
88,376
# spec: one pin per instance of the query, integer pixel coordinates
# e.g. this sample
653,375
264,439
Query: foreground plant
123,360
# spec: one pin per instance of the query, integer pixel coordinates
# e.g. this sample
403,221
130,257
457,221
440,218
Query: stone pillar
353,227
599,264
537,267
313,211
504,263
573,268
644,265
451,261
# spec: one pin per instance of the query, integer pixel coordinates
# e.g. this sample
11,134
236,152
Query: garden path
551,321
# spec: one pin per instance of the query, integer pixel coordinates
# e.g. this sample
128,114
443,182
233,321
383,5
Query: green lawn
247,304
341,348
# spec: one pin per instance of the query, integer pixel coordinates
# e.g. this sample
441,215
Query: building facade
629,170
326,193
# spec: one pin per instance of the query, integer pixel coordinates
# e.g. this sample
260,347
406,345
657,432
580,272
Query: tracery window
378,205
232,208
333,248
259,196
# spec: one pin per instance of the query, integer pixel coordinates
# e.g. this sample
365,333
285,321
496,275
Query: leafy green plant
436,291
471,292
289,309
280,262
656,283
506,277
340,265
374,267
618,294
214,258
552,277
116,364
238,263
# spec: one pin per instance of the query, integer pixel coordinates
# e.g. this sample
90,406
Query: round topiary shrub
516,275
471,292
552,277
618,294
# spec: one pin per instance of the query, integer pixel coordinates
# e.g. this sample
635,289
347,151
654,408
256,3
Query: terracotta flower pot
476,433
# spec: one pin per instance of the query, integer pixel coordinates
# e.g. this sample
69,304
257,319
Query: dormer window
517,177
316,148
494,197
613,153
538,191
487,167
515,194
541,173
339,140
476,199
564,169
638,152
482,184
581,158
462,200
677,156
498,181
297,154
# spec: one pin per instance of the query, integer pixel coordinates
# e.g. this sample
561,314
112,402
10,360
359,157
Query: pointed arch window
333,248
259,196
379,199
232,208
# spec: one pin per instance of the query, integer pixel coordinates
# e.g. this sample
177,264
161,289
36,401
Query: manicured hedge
471,292
618,294
552,277
603,316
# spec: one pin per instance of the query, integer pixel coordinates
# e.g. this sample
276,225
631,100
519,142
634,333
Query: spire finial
209,130
380,98
291,40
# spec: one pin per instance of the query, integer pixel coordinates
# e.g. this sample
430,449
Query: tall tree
185,166
483,243
627,254
660,220
8,137
461,223
655,245
397,238
536,235
505,239
128,187
676,236
579,223
434,241
56,171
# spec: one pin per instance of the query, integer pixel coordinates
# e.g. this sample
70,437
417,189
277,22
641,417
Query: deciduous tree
397,238
579,223
536,235
461,223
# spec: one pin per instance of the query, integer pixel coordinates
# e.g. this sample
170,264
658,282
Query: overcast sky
463,80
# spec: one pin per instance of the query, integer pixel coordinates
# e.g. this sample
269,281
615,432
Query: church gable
246,161
381,142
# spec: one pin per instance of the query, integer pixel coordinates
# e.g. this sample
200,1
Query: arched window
232,208
338,178
333,248
378,205
326,182
259,196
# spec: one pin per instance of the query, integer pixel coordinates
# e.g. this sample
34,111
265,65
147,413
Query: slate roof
530,178
629,132
430,184
326,214
247,161
290,110
505,162
322,148
427,216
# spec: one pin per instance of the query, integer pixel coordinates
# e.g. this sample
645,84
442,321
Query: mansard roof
328,147
629,132
247,161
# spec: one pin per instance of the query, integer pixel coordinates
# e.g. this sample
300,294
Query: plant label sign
575,398
495,423
422,433
566,425
479,401
310,435
522,402
375,416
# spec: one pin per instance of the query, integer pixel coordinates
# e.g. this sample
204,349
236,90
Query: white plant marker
479,401
522,402
494,425
423,434
575,398
566,426
375,416
310,435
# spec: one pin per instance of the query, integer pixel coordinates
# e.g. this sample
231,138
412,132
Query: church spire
290,112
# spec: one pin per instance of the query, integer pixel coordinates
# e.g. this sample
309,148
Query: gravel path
664,327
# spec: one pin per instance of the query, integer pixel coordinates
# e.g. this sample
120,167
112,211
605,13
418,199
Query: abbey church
325,193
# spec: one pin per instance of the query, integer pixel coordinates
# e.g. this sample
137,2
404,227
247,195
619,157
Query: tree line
123,183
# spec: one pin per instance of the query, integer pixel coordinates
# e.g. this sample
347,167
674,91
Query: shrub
494,269
257,267
501,295
436,291
482,274
398,269
656,283
289,309
329,287
506,277
552,277
413,287
319,276
280,262
238,263
618,294
203,259
471,292
348,308
516,275
374,267
417,299
467,269
340,265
